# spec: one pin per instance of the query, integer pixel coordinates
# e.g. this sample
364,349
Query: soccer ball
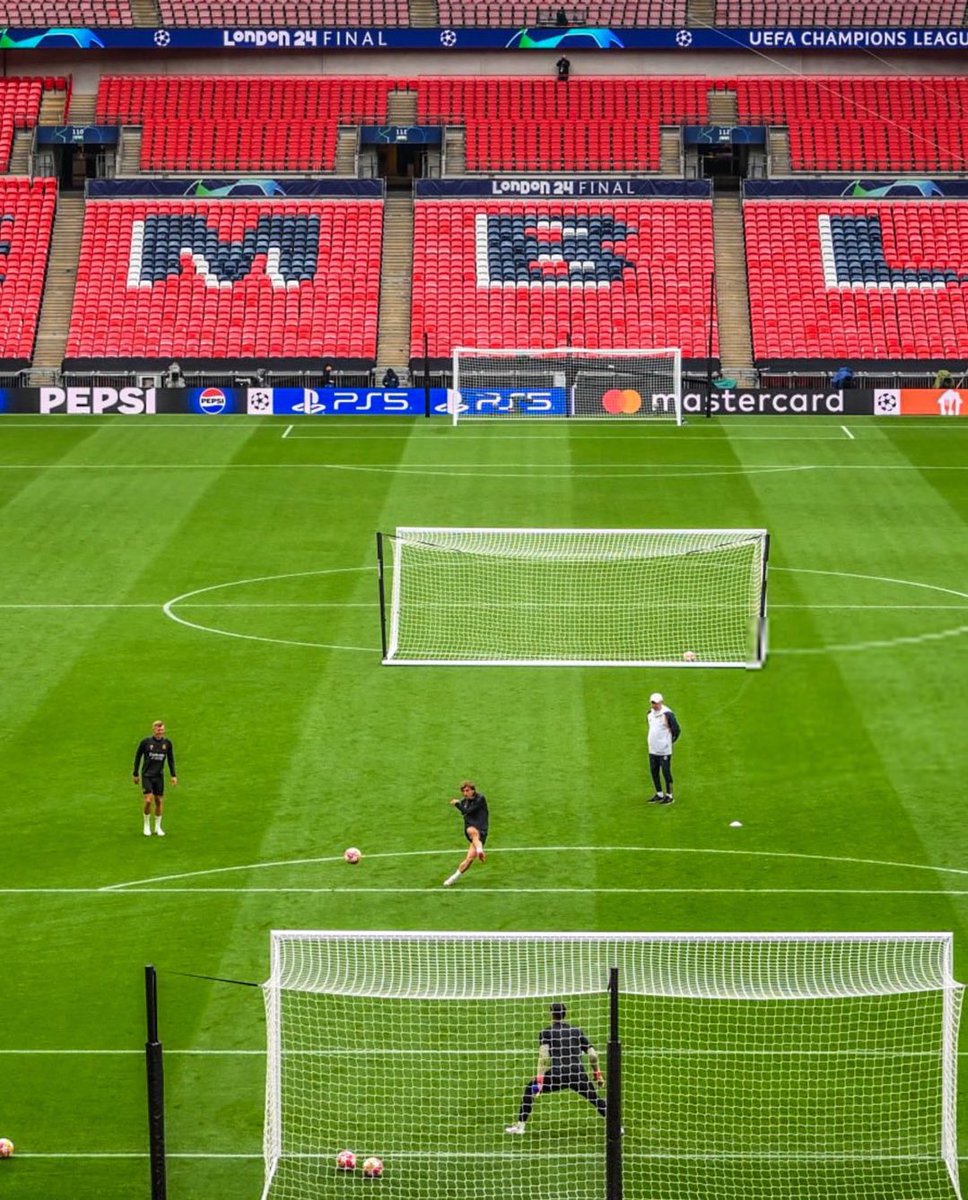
6,1149
352,855
346,1160
372,1168
689,656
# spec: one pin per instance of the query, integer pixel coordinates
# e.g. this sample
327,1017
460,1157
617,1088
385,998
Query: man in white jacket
663,731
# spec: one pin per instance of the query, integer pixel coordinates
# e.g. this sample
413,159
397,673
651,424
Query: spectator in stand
174,377
564,66
943,379
329,376
561,17
390,378
842,378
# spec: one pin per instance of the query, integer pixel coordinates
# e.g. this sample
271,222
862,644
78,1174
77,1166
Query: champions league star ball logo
162,37
684,38
448,38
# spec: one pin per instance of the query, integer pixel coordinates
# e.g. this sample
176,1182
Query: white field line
286,432
513,1155
323,604
500,428
846,430
514,1051
479,893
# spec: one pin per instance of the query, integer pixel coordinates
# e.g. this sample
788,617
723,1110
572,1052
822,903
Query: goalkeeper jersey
567,1043
474,811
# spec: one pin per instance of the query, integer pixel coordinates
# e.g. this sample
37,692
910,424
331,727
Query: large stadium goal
752,1066
573,597
567,382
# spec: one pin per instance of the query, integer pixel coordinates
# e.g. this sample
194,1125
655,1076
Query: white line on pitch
287,431
503,1052
478,893
847,431
737,469
314,604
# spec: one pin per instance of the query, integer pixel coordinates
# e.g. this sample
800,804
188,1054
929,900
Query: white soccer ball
689,656
372,1167
6,1148
352,855
346,1160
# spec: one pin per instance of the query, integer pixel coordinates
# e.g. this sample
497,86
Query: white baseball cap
655,698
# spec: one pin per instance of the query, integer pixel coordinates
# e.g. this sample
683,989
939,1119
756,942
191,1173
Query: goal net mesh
753,1066
567,596
568,382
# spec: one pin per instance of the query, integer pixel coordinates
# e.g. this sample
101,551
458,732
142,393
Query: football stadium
483,599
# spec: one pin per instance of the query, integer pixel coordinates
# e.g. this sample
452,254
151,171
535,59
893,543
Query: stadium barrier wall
235,188
301,402
858,188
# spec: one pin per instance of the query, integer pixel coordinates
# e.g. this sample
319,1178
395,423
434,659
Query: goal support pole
383,597
613,1095
156,1090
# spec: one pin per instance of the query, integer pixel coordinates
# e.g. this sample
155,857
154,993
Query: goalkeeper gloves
598,1077
537,1084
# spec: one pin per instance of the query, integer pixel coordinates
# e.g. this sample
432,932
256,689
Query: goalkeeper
560,1067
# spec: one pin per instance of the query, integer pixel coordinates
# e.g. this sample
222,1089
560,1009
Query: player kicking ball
473,808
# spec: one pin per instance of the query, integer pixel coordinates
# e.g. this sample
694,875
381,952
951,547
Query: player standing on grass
473,807
663,731
154,751
560,1067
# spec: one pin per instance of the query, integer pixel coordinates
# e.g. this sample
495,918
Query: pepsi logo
212,400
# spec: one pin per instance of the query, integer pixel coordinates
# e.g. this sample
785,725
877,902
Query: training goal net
574,597
753,1066
567,382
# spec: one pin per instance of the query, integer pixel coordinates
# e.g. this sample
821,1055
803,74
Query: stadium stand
614,13
857,281
840,12
217,280
67,13
898,123
19,109
193,123
599,124
545,273
26,218
298,13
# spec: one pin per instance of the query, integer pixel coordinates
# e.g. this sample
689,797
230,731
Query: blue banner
535,402
425,135
426,38
238,189
341,402
855,189
78,135
724,135
567,188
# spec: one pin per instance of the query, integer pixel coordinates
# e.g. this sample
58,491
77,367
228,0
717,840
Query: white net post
572,382
754,1066
577,597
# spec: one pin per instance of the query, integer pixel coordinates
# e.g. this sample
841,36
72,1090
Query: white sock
157,823
453,878
147,824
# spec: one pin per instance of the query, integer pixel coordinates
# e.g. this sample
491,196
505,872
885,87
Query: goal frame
567,352
273,987
390,610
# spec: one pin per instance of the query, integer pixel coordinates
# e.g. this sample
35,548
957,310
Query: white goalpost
569,381
753,1066
574,597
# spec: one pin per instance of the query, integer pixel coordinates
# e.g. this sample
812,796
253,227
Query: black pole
156,1090
613,1095
708,407
383,599
426,375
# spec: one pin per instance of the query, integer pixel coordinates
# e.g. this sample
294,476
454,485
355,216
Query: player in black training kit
154,751
560,1067
473,807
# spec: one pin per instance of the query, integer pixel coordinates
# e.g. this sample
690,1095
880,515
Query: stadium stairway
55,311
455,151
396,276
347,151
701,12
53,106
20,152
778,146
732,288
723,109
129,151
670,151
82,110
424,12
402,108
146,13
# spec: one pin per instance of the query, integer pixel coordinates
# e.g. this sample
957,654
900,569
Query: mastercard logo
621,400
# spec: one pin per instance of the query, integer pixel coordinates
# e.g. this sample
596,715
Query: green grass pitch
845,758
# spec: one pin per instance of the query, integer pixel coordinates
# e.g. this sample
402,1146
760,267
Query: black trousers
575,1081
661,763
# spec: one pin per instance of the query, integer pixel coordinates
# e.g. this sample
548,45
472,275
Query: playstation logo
310,403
